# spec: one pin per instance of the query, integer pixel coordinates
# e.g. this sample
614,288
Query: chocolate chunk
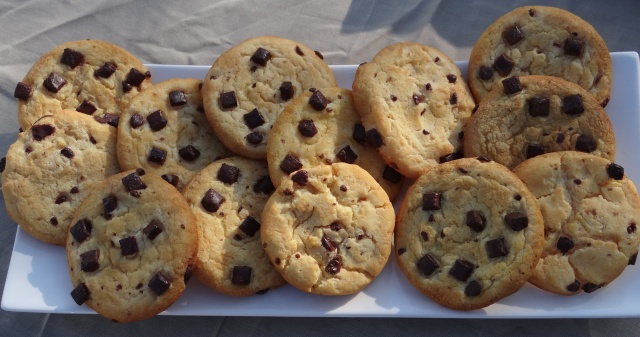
23,91
374,138
253,119
177,98
136,120
633,258
391,175
156,120
290,164
254,138
496,248
106,70
171,179
511,85
81,230
327,244
573,46
72,58
61,198
538,107
67,152
241,275
427,265
307,128
157,156
452,78
135,77
261,56
80,294
615,171
212,200
473,288
264,185
3,164
347,155
585,144
108,118
359,133
574,286
476,221
42,131
228,174
301,177
132,182
333,267
453,99
228,100
109,203
128,246
516,221
318,101
249,226
89,260
286,91
503,65
189,153
159,283
572,104
86,107
153,229
485,73
590,287
512,35
534,149
564,244
461,270
431,201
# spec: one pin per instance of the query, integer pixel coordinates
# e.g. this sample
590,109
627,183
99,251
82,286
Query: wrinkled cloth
195,33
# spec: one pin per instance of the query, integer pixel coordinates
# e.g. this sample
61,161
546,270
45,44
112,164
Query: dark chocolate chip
171,179
307,128
135,77
559,138
534,149
347,155
461,270
109,203
241,275
157,156
605,102
428,87
631,228
453,99
427,265
473,288
89,260
476,221
538,107
374,138
452,78
431,201
287,91
299,51
564,244
67,152
516,221
80,294
177,98
485,73
261,56
424,235
86,107
254,138
108,118
3,164
249,226
128,246
81,230
512,35
401,251
126,87
335,226
391,175
503,65
327,244
23,91
585,144
61,198
159,283
253,119
417,99
72,58
318,101
156,120
53,221
511,85
496,248
228,100
264,185
132,182
615,171
106,70
483,159
290,164
228,174
301,178
574,286
590,287
318,54
41,131
359,134
573,46
572,104
189,153
212,200
333,267
153,229
450,157
633,258
136,120
577,181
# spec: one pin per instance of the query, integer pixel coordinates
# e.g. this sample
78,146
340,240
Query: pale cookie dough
591,212
328,229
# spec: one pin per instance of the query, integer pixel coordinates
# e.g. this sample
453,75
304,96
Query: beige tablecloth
195,33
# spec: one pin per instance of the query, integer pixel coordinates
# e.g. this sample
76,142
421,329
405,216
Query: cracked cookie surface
591,212
328,229
468,234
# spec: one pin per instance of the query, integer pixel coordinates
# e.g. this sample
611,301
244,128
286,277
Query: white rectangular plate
38,281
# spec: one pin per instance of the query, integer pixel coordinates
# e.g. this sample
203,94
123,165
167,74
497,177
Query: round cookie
468,233
165,131
303,136
227,198
51,167
249,85
591,211
531,115
90,76
537,40
131,246
328,229
413,103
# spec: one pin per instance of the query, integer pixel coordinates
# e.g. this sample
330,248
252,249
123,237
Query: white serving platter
38,281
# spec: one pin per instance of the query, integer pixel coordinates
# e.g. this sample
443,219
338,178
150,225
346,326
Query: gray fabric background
195,33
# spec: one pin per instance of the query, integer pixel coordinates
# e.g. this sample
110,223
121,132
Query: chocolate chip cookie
469,233
130,247
414,104
249,85
165,131
92,77
328,229
308,133
51,167
591,211
537,40
531,115
227,198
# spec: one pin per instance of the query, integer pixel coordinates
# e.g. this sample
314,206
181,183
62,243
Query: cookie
90,76
537,40
131,246
249,85
227,198
531,115
165,131
591,211
328,229
304,135
413,103
469,233
51,167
